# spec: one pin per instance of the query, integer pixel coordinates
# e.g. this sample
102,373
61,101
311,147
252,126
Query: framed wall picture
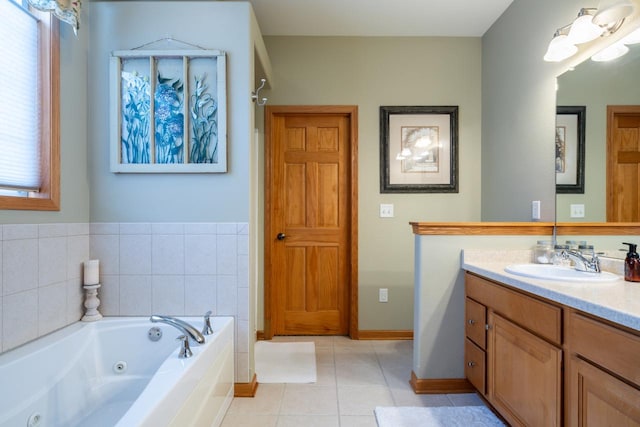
168,111
570,149
418,149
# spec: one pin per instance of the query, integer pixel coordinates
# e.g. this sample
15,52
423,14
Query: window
29,109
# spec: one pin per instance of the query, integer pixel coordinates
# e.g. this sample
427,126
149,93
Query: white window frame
48,198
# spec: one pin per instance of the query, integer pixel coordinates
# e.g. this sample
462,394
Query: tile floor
353,378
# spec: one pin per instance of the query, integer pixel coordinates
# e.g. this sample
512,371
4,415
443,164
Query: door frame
350,111
612,111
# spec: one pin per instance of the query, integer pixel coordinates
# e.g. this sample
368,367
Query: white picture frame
182,128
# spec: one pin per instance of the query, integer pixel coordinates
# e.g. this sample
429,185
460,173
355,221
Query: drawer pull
471,364
471,322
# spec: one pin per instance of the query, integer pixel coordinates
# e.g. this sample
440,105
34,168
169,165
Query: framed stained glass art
168,111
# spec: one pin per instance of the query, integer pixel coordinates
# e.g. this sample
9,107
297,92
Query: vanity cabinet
521,363
602,381
540,363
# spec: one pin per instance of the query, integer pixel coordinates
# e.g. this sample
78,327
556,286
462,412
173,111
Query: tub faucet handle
185,350
207,330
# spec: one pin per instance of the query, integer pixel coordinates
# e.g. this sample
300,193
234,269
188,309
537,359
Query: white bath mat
443,416
285,362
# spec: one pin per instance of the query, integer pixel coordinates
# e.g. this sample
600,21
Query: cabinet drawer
475,321
616,350
474,365
539,317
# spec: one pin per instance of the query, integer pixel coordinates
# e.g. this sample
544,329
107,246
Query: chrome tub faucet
181,325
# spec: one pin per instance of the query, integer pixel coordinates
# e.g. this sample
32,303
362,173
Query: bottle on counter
632,264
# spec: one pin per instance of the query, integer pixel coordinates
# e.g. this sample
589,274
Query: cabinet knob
281,236
487,326
471,364
471,322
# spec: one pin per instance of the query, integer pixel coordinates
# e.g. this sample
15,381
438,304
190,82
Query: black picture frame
403,128
570,149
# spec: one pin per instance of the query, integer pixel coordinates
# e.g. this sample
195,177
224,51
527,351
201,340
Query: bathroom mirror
595,85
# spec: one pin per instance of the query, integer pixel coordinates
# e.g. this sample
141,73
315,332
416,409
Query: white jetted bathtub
110,373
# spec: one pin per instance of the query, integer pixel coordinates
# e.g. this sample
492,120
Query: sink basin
559,273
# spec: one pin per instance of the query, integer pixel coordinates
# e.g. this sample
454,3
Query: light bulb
610,53
584,30
560,49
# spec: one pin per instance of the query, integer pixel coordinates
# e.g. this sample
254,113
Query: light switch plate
383,295
535,210
386,210
577,211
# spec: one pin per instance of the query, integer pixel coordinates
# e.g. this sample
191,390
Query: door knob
281,236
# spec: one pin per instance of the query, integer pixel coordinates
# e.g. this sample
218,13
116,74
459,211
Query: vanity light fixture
617,49
610,11
632,38
560,48
583,29
590,24
610,53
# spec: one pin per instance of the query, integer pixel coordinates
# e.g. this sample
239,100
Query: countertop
617,301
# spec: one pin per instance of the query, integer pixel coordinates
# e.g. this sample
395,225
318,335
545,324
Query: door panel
309,200
623,163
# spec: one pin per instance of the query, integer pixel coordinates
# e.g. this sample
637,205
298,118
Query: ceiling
446,18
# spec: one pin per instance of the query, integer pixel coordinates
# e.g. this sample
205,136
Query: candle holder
91,303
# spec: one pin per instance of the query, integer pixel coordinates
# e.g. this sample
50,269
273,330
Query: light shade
632,38
610,11
560,49
584,30
612,52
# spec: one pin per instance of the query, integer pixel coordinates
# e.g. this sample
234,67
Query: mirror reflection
595,86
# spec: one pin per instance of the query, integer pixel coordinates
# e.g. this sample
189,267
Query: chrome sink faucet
181,325
580,262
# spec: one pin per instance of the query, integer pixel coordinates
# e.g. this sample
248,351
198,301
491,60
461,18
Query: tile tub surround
40,279
179,269
145,268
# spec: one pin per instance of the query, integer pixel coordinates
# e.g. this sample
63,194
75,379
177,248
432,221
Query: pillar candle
92,272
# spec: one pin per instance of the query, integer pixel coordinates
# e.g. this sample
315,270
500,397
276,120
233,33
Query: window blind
20,101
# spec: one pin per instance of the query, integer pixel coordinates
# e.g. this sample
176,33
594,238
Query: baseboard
246,389
385,335
440,386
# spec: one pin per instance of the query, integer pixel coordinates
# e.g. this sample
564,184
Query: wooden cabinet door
600,399
523,375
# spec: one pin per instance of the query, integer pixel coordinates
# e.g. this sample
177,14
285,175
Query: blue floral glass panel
136,103
169,117
203,109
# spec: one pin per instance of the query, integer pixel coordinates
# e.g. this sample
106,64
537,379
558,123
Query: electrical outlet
383,295
386,210
577,211
535,210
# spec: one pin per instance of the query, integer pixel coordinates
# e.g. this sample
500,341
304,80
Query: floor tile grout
382,385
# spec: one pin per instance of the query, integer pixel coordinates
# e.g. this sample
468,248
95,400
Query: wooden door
523,375
623,163
310,220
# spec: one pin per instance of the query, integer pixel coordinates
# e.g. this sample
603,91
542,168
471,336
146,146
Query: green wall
370,72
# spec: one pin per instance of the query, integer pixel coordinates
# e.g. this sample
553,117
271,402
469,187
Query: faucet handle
185,350
207,330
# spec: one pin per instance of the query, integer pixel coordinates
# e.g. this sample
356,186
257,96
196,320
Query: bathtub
110,373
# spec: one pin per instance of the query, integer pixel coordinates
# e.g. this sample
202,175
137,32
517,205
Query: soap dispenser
632,264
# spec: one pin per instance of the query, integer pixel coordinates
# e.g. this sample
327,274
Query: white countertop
617,301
